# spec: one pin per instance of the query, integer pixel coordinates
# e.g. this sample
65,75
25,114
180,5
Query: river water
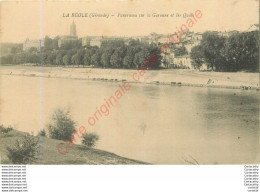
153,123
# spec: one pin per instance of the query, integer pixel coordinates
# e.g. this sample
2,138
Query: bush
42,133
62,126
89,139
4,130
25,150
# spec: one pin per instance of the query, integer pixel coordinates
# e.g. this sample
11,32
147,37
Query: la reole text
88,15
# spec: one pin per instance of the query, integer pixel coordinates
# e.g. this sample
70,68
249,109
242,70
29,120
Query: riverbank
174,77
78,155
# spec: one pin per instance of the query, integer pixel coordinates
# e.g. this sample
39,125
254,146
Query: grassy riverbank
167,76
78,154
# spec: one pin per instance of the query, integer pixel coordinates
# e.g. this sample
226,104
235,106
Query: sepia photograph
129,82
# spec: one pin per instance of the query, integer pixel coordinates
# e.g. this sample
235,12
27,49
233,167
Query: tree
24,151
212,46
105,58
241,52
131,50
59,57
180,51
61,126
197,57
46,57
140,57
112,44
87,57
55,43
48,45
8,59
51,57
16,49
20,58
95,59
66,59
78,59
73,59
154,50
116,59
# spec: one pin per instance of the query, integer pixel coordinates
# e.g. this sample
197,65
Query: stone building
63,39
32,44
183,62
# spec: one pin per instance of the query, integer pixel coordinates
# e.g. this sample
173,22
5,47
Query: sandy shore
238,80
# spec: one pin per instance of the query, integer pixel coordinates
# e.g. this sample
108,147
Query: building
92,41
192,40
167,60
183,62
63,39
73,30
32,44
98,40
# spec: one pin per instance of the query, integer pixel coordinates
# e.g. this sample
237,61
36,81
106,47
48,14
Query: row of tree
111,54
238,52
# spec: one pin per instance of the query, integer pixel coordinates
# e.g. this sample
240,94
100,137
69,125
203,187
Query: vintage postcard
129,82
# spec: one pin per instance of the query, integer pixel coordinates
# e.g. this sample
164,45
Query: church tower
73,31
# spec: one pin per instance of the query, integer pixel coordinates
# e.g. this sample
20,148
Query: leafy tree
33,50
241,52
212,45
116,59
154,50
105,58
131,50
48,45
112,44
66,59
79,56
8,59
16,49
87,56
55,43
139,58
197,57
59,57
180,51
73,59
74,44
61,126
95,59
20,58
51,57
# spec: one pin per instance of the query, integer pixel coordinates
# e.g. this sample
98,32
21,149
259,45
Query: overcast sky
20,20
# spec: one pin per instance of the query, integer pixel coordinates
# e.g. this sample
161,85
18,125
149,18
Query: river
158,124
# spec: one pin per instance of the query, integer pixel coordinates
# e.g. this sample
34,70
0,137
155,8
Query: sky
35,19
